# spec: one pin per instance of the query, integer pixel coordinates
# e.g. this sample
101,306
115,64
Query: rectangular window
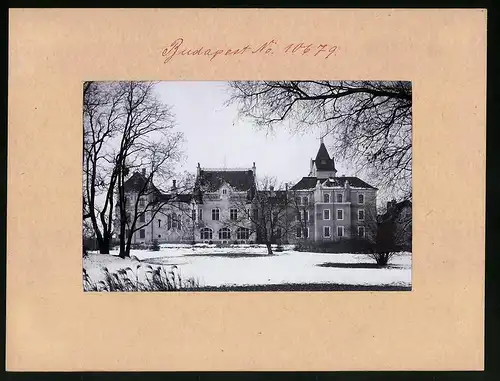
340,214
159,223
142,233
141,202
326,198
200,214
305,200
306,215
233,214
361,198
361,215
306,233
193,214
297,200
215,214
326,231
340,231
326,214
361,231
142,218
298,233
340,197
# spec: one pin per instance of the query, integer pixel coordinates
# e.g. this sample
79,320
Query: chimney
391,204
144,172
271,188
198,169
254,168
311,168
174,185
286,187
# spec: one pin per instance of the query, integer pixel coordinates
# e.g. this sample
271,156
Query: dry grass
127,280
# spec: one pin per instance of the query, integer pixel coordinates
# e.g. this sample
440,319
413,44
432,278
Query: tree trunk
122,237
104,245
269,248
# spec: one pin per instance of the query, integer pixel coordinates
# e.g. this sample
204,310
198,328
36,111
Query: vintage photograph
247,186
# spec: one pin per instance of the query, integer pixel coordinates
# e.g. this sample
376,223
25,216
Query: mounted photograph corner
247,186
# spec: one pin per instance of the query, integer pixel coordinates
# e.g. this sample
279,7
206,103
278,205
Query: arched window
206,233
305,200
326,197
175,221
243,233
224,233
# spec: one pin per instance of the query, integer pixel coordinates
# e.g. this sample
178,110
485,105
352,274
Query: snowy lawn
246,265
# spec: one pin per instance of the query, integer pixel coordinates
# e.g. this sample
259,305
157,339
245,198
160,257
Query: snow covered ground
250,265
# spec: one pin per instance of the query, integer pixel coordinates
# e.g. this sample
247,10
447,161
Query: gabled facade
223,201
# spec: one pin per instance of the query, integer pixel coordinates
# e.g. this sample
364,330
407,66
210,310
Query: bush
382,258
155,246
279,248
356,246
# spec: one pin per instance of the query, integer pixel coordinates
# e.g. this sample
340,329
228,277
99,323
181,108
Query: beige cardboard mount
53,325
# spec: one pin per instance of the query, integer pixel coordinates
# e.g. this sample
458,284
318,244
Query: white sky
216,137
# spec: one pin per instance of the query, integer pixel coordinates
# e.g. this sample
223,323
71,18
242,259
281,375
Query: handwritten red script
178,48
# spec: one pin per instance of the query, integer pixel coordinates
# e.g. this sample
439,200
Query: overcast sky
216,137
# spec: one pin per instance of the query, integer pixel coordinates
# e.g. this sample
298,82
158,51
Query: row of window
304,233
340,214
233,214
225,233
326,199
326,215
244,233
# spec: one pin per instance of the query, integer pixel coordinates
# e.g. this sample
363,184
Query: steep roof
212,180
182,197
323,161
135,183
310,182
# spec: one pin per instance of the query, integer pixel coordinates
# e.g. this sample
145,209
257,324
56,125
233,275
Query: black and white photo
247,186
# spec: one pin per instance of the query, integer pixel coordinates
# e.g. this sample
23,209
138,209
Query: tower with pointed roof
323,166
330,207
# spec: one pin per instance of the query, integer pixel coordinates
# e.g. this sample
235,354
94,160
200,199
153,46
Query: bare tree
146,141
266,214
300,213
101,123
370,121
126,127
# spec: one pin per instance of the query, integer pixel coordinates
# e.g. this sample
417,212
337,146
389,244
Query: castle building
226,206
333,207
